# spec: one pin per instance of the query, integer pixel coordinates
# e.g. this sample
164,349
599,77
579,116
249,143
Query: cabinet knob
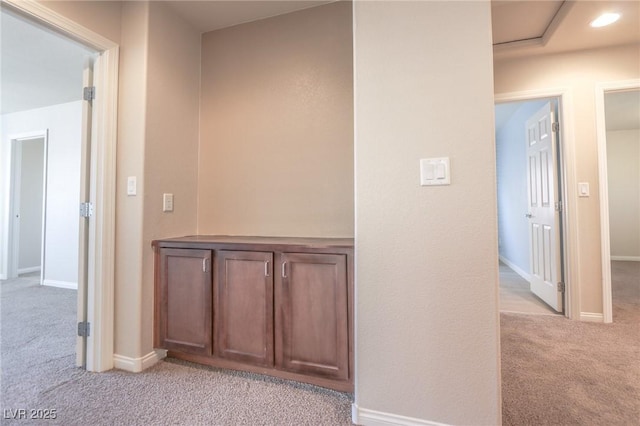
284,269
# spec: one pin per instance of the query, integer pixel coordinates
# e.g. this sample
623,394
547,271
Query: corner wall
427,342
579,72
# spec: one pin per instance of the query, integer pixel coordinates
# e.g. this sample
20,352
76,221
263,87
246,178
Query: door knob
529,215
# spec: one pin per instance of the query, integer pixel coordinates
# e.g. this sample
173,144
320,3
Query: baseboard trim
591,317
28,270
524,274
61,284
136,365
626,258
366,417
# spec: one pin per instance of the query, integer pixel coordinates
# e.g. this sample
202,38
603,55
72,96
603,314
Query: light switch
435,171
132,186
583,189
167,202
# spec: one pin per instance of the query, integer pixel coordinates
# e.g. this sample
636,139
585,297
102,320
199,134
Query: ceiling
39,68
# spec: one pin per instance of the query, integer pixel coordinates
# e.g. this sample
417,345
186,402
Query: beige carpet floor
561,372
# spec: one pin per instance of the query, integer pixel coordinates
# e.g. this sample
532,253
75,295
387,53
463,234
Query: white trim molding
569,181
626,258
603,188
28,270
101,246
61,284
524,274
366,417
136,365
591,317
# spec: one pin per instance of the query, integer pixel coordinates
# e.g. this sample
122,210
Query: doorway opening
95,165
530,199
28,205
618,127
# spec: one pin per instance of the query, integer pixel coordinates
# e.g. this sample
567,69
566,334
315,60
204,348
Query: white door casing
544,219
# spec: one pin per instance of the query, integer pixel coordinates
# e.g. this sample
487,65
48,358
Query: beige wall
171,145
578,72
130,162
623,170
276,153
427,342
102,17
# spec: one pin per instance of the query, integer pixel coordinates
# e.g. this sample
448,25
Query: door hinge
89,93
555,127
558,206
84,329
561,287
86,209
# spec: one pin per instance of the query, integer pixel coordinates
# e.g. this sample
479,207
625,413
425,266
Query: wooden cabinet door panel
312,315
244,307
185,300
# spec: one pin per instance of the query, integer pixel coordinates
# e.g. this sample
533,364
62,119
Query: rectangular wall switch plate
132,186
435,171
167,202
583,189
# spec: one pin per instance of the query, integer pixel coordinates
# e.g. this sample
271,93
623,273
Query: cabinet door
312,316
185,300
244,307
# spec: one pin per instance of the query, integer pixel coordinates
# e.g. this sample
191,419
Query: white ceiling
39,68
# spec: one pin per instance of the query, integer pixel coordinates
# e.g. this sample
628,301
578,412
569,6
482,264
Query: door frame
603,187
101,247
566,162
15,167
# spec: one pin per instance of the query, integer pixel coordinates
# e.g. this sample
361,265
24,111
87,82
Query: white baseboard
524,274
591,317
61,284
366,417
28,270
626,258
136,365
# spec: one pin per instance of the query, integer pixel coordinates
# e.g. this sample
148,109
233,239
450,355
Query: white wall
427,343
623,169
511,158
31,193
64,123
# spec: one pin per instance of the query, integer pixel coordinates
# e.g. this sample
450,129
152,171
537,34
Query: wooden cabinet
183,301
278,306
312,323
244,306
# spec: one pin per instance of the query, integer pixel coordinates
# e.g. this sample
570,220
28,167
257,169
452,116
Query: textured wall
426,257
276,150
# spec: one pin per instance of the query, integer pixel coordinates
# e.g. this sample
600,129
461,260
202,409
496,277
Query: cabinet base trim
366,417
136,365
341,386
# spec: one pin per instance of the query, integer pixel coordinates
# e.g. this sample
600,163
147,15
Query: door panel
544,220
244,307
185,300
312,321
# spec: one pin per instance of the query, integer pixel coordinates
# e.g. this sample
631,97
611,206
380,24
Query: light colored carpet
516,295
561,372
38,372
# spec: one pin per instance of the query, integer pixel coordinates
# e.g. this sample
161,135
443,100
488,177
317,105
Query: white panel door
544,220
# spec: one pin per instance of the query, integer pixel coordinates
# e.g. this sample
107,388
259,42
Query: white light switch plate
167,202
132,186
435,171
583,189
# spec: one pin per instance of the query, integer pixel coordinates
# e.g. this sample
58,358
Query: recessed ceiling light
605,19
